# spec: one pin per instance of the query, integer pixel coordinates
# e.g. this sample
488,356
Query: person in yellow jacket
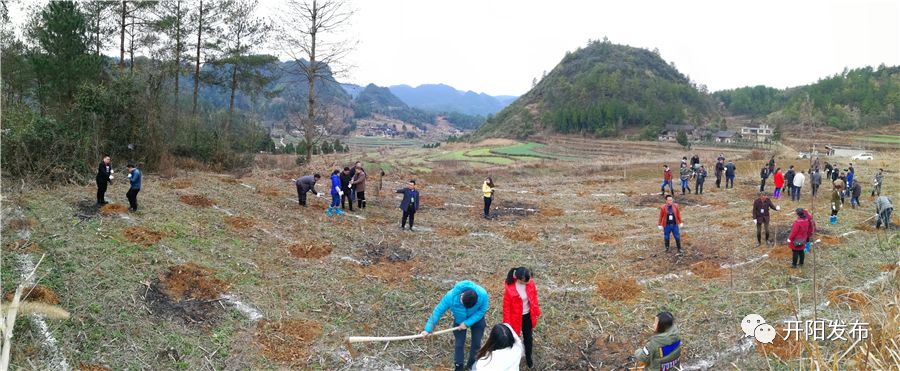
488,189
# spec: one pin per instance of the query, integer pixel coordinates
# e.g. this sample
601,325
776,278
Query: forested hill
858,98
601,89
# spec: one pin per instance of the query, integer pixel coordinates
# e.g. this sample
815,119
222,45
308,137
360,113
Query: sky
499,46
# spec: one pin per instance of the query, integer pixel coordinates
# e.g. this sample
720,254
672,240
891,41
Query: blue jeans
335,200
795,193
729,181
662,187
673,229
854,199
685,185
460,344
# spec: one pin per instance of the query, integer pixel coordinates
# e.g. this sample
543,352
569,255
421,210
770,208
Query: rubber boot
678,245
667,245
329,211
833,219
339,212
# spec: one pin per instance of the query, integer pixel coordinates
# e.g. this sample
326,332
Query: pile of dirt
142,236
179,184
269,192
521,234
309,250
187,291
387,262
432,202
707,269
451,231
785,349
230,181
38,293
604,209
889,267
829,240
604,238
23,246
196,200
780,251
853,298
617,288
91,367
729,224
866,226
238,222
287,341
378,253
113,209
550,211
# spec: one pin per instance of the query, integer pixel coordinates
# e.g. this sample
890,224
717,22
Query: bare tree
307,28
171,20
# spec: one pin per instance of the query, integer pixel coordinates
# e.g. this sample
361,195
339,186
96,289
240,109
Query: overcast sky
498,46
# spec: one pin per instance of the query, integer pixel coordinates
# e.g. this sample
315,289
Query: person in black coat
410,204
346,178
104,175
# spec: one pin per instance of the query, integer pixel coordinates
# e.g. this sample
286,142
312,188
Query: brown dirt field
433,202
19,223
306,250
888,267
91,367
142,236
451,231
269,192
707,269
179,184
729,224
390,272
39,294
286,341
196,200
780,251
866,226
617,288
113,209
784,349
191,281
551,211
604,238
239,222
521,234
23,246
830,240
855,299
230,181
604,209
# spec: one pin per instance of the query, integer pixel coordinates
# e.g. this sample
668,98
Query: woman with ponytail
520,307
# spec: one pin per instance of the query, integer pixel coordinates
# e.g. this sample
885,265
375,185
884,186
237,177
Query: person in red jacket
667,180
520,307
779,183
801,232
670,222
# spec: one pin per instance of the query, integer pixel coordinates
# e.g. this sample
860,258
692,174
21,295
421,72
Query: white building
759,133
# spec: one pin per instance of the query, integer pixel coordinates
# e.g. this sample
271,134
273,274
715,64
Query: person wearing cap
134,176
468,302
761,208
409,205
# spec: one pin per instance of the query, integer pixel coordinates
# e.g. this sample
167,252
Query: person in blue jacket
468,302
409,205
134,176
336,193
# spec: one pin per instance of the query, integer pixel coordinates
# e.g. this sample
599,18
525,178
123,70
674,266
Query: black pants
789,186
528,337
719,181
759,226
487,205
410,213
698,187
884,217
301,195
762,184
101,192
460,343
729,181
132,198
815,189
361,199
348,197
797,255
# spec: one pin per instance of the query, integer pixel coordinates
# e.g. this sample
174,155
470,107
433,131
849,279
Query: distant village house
758,133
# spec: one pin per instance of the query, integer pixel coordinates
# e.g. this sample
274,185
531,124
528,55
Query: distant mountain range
445,98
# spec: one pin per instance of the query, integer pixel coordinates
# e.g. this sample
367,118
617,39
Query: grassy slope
99,275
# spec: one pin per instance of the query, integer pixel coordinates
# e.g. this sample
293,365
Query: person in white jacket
502,351
799,178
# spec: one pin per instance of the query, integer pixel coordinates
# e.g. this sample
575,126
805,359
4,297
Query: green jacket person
663,350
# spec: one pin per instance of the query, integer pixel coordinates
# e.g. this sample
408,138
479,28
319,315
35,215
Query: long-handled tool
364,339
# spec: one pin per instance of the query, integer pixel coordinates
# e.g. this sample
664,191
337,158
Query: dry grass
23,246
707,269
617,288
783,349
230,181
287,341
853,298
729,224
39,294
21,223
91,367
780,251
521,234
830,240
389,271
269,191
432,202
239,223
309,250
196,200
551,211
142,236
178,184
113,209
451,231
604,238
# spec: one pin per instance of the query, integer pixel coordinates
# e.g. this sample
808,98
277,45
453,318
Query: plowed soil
286,341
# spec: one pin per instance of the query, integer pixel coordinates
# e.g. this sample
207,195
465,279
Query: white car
864,156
